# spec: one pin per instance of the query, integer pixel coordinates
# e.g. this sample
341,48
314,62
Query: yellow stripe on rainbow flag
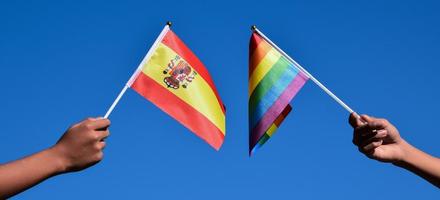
261,69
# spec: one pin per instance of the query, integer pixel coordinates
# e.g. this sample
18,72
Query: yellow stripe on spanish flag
197,93
177,82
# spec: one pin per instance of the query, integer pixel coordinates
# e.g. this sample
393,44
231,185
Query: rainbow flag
273,82
177,82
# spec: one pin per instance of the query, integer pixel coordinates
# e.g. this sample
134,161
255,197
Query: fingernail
382,132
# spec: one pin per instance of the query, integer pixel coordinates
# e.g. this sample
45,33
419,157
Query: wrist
405,154
59,161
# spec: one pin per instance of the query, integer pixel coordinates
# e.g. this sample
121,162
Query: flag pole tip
169,23
253,27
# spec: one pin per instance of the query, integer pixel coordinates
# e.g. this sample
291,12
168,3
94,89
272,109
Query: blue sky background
62,61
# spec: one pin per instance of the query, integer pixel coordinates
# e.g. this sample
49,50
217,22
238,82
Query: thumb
367,119
355,120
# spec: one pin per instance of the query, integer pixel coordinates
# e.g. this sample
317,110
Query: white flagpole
299,67
136,73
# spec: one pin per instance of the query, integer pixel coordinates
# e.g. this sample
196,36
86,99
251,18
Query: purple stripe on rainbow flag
269,133
275,89
271,95
275,110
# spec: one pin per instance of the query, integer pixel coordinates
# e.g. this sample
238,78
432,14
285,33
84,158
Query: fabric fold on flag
177,82
273,82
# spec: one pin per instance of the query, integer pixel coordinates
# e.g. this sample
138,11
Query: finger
371,146
364,133
381,134
367,118
375,123
99,124
355,120
358,132
101,145
102,135
378,124
99,156
90,119
362,130
84,121
356,137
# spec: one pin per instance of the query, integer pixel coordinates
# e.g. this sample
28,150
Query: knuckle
370,155
373,124
377,144
351,119
72,127
97,146
381,134
383,121
355,140
87,126
94,136
106,133
100,145
359,132
365,148
99,156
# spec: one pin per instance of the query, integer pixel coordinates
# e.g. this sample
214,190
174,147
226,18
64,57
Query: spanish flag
176,81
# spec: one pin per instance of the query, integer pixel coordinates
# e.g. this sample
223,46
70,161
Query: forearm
420,163
22,174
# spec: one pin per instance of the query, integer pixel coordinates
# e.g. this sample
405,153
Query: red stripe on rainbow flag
253,44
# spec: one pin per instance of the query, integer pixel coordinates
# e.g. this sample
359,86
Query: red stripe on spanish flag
176,44
178,109
175,80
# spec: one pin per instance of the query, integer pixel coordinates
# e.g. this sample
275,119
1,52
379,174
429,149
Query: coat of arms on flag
180,73
175,80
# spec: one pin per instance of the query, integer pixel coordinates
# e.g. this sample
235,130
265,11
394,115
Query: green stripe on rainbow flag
273,82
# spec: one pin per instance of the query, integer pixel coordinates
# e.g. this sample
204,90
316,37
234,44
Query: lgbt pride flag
177,82
273,82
